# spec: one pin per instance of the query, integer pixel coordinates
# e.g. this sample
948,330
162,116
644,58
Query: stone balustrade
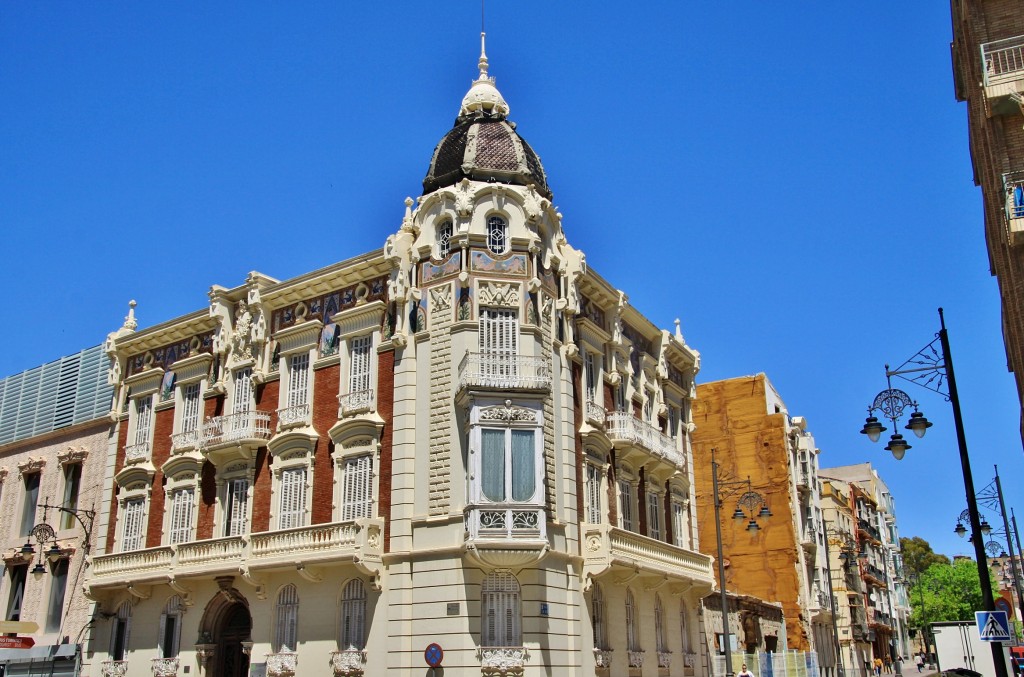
622,426
237,427
627,545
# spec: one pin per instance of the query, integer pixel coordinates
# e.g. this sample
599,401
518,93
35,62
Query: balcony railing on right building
503,371
1003,78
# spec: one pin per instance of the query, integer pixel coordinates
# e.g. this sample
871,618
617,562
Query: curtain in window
1018,201
500,609
353,616
238,507
287,622
355,488
492,464
293,498
678,524
72,482
182,515
653,516
131,534
28,510
625,505
524,465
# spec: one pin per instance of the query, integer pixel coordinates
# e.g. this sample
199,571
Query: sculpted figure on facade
398,250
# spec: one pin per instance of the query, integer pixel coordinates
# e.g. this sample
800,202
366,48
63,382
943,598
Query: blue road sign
434,654
993,626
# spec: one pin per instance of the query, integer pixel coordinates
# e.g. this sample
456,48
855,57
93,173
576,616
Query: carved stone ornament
508,413
3,473
441,298
32,465
72,455
506,294
465,196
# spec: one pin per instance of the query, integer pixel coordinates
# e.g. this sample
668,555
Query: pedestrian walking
744,672
919,660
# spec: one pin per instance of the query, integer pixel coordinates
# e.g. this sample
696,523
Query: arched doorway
234,626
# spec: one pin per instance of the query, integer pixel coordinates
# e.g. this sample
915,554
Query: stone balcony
625,429
293,417
348,662
356,402
282,664
499,371
165,667
506,535
610,549
113,668
502,660
235,436
358,541
186,441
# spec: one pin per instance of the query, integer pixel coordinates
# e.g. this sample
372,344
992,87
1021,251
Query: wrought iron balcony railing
356,402
502,660
282,664
348,662
185,441
237,427
114,668
136,453
623,426
165,667
291,417
506,522
595,413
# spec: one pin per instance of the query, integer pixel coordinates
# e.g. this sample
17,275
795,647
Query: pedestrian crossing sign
993,626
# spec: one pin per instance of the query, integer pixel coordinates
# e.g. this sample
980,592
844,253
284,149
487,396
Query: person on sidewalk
919,660
744,672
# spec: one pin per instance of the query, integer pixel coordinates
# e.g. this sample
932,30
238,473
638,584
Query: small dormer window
497,234
444,239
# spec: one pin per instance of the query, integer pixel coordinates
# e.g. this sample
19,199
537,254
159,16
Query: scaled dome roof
484,145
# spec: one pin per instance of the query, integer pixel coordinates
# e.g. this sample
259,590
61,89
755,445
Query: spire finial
483,56
129,321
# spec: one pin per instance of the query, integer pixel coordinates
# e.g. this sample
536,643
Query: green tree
918,556
946,592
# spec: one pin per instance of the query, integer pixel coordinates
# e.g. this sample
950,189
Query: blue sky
790,180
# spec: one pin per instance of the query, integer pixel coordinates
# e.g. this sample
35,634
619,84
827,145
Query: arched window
659,625
119,632
497,234
170,628
352,622
500,611
684,630
597,618
632,639
287,619
444,238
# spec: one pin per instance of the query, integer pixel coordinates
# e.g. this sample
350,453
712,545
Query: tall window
182,515
684,630
679,524
499,343
497,234
649,407
286,621
236,507
190,408
170,628
298,379
595,515
673,421
355,488
58,586
444,238
352,630
500,625
72,483
653,515
16,593
119,632
359,365
243,395
597,618
143,418
292,505
626,502
508,464
590,375
620,396
659,625
28,509
131,524
632,638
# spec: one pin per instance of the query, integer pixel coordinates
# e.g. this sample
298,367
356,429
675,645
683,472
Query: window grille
190,408
359,368
293,499
659,625
131,532
182,515
287,619
632,643
356,485
497,234
594,476
626,505
143,418
501,613
170,628
597,618
444,239
237,507
653,515
353,616
298,379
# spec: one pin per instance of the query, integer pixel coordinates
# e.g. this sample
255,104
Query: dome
484,145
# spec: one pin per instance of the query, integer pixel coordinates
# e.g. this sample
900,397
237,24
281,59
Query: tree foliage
945,592
918,556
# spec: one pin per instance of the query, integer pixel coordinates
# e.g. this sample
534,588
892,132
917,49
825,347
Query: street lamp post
746,505
845,541
928,369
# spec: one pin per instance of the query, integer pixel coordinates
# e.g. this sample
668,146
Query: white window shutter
143,418
286,627
359,369
190,412
238,507
298,379
182,515
243,391
653,515
293,498
131,534
594,512
356,484
678,522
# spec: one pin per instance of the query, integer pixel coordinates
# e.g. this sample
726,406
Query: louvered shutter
631,643
499,343
594,512
182,515
625,505
298,380
678,532
359,369
500,602
356,484
353,616
293,498
590,371
286,631
243,391
238,507
143,418
131,534
190,410
653,516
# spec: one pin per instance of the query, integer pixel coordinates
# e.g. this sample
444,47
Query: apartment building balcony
114,668
603,658
803,482
165,667
809,537
282,664
594,413
499,371
348,662
506,535
635,659
1003,79
869,530
502,660
234,436
609,549
664,659
137,453
293,417
302,547
625,429
356,402
186,441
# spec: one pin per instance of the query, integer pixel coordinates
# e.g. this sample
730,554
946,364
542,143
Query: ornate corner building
468,439
988,74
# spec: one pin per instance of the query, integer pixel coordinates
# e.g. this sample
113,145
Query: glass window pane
492,464
524,465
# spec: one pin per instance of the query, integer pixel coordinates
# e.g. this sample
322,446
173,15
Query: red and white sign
17,642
